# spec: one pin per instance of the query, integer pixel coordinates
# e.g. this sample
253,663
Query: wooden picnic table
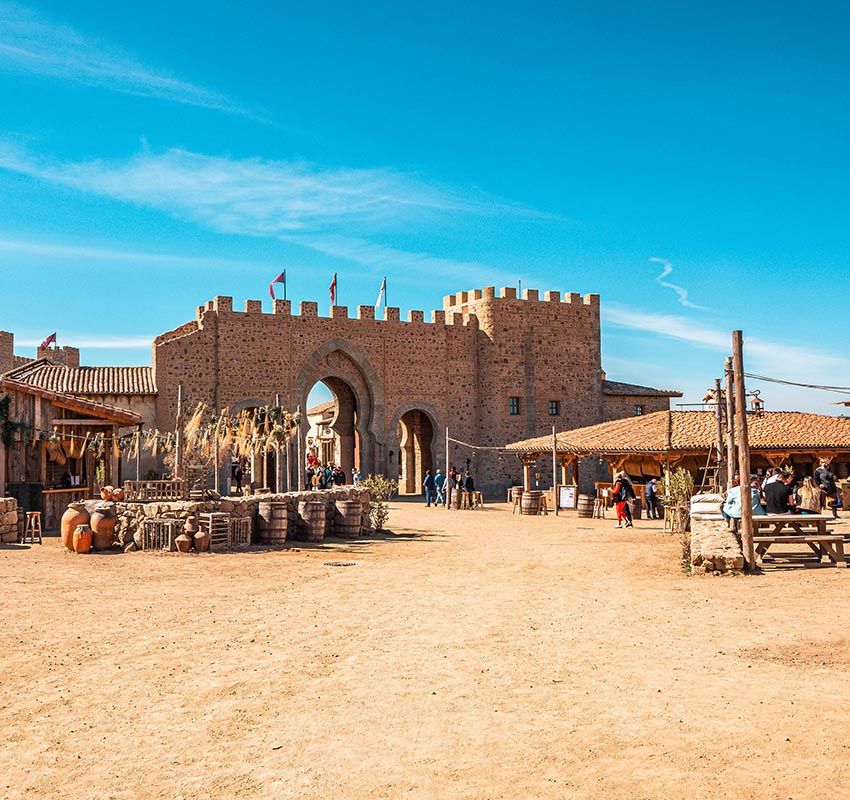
808,529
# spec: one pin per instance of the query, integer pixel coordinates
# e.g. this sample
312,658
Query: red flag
332,288
49,340
279,279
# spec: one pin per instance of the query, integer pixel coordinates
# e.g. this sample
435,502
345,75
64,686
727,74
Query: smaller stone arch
418,441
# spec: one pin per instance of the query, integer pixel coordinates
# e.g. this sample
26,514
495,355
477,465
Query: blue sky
689,163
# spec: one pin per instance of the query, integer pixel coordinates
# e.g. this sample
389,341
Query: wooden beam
718,416
742,434
731,459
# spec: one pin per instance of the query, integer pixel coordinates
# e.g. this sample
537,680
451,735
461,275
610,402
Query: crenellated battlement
222,306
509,293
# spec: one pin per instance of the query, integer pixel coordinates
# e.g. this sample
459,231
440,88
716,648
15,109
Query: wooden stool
33,527
517,501
599,508
543,508
464,500
477,499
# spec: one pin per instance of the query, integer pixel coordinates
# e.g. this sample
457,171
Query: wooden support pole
300,465
278,463
731,458
216,477
139,453
288,463
555,470
722,465
448,484
743,448
178,434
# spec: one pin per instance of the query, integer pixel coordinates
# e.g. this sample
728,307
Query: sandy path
475,655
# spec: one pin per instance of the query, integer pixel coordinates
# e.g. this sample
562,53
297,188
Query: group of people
781,493
435,485
325,476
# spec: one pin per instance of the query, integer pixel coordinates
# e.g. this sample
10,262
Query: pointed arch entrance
359,400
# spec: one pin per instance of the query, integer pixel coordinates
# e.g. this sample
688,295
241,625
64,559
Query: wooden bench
831,545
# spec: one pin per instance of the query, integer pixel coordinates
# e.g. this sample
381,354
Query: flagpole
284,285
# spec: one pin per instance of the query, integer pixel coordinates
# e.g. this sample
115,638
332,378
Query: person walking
237,476
440,484
429,486
653,505
623,491
356,477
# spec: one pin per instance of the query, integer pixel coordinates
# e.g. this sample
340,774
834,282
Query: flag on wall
279,279
332,289
382,294
49,340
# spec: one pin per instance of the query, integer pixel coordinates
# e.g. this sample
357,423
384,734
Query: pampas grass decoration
193,426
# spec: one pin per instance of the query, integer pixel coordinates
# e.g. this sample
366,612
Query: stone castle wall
460,368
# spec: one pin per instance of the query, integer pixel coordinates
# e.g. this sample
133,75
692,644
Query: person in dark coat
468,483
430,488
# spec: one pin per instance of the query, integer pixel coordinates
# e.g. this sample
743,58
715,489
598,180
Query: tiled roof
118,416
696,430
86,381
322,408
632,389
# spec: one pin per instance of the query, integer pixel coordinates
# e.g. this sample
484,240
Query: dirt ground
470,655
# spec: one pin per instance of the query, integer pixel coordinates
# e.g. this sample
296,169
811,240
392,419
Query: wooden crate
240,531
217,525
159,534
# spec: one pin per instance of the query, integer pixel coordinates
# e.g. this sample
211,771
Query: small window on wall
554,408
513,405
638,411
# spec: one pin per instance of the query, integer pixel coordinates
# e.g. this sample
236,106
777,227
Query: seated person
732,505
779,495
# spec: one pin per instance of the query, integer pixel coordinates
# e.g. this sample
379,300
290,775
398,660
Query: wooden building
644,445
56,446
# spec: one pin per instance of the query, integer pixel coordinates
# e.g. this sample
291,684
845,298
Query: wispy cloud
779,357
101,343
58,250
681,292
328,210
30,43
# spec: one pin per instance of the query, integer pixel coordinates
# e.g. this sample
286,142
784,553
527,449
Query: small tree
381,489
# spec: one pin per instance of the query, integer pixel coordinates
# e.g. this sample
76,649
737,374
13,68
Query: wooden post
731,459
288,463
278,464
554,470
718,415
300,465
216,477
178,434
743,448
139,453
448,483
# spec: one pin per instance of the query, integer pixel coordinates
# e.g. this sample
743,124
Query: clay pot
202,542
184,543
191,527
102,523
117,495
106,493
82,539
74,516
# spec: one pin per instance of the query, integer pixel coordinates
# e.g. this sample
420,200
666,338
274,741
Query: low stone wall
130,515
714,548
9,520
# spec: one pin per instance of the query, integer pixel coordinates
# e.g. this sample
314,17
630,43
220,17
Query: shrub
381,490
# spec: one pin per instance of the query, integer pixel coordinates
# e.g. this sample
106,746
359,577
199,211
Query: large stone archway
416,439
360,398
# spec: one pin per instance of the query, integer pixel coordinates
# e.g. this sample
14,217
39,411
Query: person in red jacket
623,491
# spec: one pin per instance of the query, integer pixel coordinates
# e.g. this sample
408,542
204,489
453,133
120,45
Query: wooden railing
148,491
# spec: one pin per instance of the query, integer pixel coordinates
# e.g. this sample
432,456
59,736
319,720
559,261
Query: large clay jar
184,543
118,495
106,493
74,516
202,542
82,539
103,527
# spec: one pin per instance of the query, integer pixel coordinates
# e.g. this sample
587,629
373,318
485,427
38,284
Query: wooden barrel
585,505
530,503
516,491
347,519
314,518
272,522
457,497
